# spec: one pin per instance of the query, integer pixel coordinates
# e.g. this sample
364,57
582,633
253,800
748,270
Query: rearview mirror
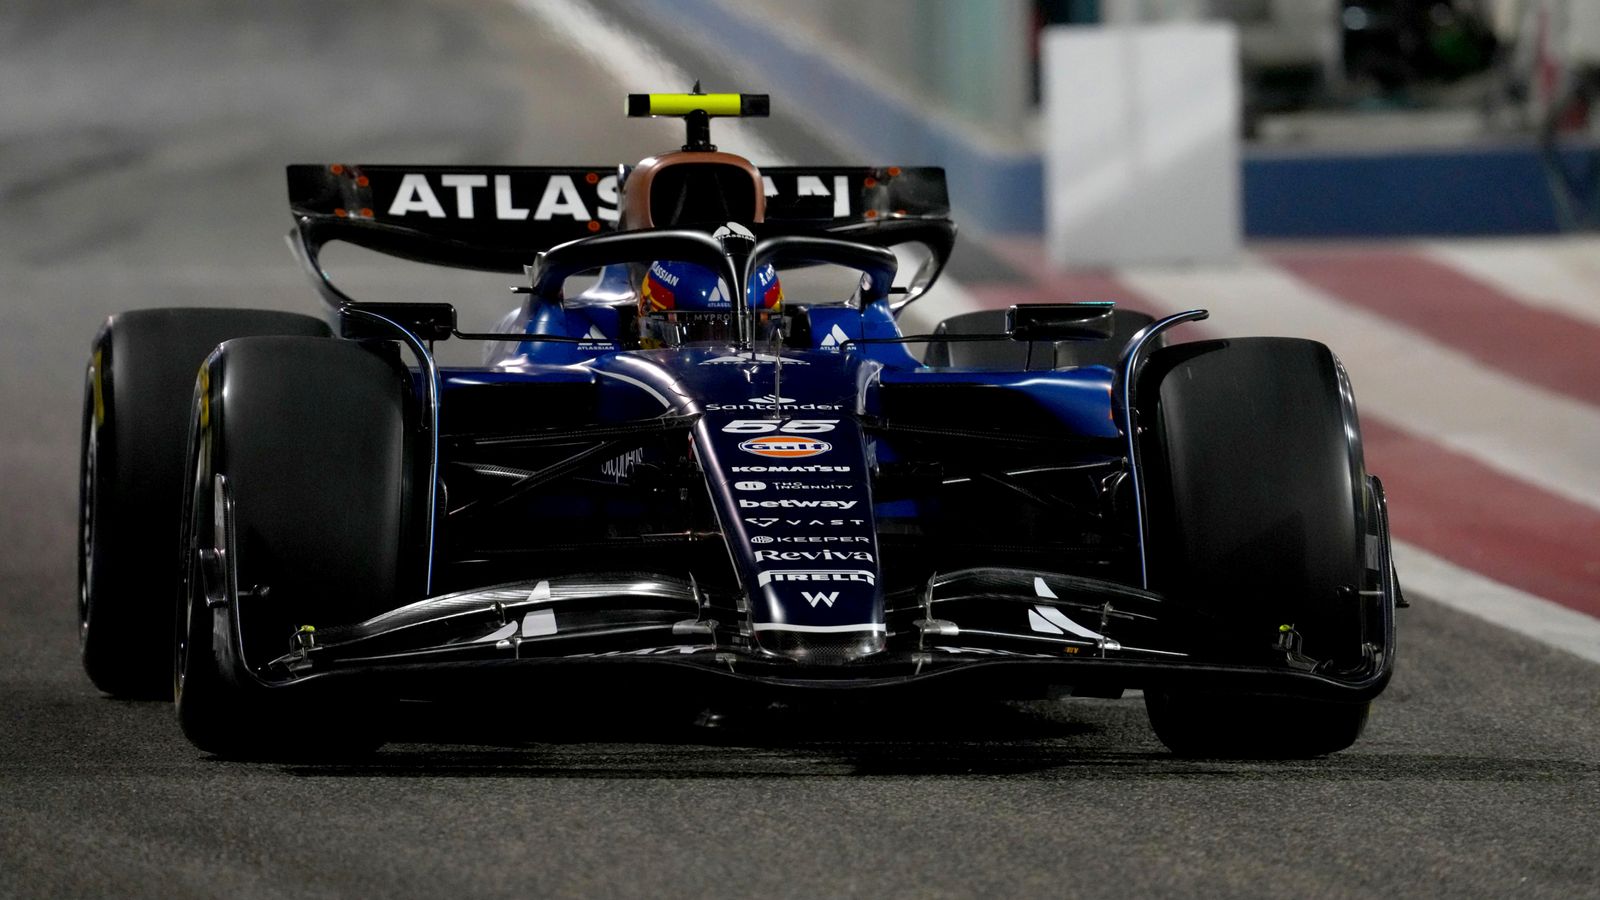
1060,321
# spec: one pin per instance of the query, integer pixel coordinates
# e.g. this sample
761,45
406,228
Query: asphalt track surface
141,147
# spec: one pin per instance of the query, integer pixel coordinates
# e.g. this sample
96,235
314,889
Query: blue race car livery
683,467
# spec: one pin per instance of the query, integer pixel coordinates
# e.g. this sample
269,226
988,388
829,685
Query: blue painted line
1457,191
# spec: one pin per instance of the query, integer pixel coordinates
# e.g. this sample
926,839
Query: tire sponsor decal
858,575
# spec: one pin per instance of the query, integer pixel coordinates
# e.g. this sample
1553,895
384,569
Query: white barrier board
1141,143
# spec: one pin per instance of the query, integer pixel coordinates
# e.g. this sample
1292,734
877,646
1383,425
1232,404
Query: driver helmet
682,303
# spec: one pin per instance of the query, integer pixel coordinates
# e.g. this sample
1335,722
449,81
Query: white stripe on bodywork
539,622
1038,623
500,634
1056,617
638,384
821,629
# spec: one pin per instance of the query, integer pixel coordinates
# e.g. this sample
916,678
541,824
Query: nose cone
823,649
811,570
789,479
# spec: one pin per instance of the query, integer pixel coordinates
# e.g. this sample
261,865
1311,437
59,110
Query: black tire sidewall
309,437
145,362
1251,464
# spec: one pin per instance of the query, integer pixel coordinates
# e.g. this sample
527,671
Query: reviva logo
812,555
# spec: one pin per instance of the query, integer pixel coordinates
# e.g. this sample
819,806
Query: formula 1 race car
676,471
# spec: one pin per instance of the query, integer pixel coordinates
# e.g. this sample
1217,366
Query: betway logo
812,555
796,504
858,575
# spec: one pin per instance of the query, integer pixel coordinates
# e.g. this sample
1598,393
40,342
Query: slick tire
298,497
137,392
1258,518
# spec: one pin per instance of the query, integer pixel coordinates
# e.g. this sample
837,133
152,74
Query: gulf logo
783,446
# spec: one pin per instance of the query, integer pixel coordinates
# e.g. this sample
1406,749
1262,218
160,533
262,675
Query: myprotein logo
782,446
786,575
796,504
813,556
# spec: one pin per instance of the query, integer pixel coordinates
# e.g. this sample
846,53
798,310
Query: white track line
1427,576
1558,274
1402,375
637,67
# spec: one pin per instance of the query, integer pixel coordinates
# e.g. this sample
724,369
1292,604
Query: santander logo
780,446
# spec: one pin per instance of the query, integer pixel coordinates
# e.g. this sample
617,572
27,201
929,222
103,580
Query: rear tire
1258,518
305,440
135,425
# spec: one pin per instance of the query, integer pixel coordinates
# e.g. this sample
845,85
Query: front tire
135,425
297,517
1258,520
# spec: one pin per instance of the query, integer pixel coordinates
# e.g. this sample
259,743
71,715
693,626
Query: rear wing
499,218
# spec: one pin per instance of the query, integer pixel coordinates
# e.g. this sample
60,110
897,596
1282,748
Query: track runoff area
1476,364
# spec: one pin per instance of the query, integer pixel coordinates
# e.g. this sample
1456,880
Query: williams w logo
814,597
